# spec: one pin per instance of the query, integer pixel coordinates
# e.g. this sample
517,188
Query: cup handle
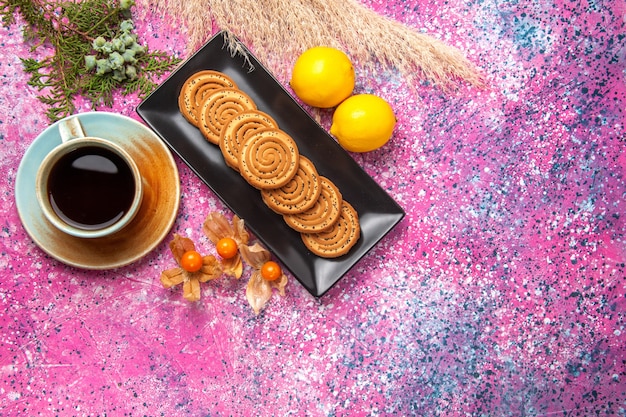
71,128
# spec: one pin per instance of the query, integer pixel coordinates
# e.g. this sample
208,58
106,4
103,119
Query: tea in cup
88,187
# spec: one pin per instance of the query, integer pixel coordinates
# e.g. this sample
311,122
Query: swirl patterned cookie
339,239
323,214
218,107
239,128
196,87
269,159
299,194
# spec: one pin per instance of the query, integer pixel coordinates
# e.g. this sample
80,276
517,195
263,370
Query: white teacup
88,187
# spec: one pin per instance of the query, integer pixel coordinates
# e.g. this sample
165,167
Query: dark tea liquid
91,188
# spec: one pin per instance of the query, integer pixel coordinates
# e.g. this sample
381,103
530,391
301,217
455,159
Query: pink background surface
502,292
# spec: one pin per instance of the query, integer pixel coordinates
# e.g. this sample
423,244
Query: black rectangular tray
378,212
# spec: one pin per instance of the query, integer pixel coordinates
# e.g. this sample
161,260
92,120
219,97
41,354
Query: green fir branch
86,60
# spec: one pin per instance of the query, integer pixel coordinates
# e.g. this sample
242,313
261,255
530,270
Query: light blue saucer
156,215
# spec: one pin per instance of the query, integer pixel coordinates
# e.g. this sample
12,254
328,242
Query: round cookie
269,159
196,87
218,107
339,239
323,214
299,194
239,128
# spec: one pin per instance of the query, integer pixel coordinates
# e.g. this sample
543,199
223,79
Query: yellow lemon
363,123
322,77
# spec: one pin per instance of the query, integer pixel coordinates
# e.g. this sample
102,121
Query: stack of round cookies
268,159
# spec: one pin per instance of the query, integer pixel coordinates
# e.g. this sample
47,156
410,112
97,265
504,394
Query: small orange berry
191,261
271,271
226,247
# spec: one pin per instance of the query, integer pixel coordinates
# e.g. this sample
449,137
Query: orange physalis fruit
191,261
226,247
270,271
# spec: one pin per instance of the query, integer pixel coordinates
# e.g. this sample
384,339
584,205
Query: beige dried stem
279,30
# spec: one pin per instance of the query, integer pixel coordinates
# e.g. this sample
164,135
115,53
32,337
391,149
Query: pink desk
502,291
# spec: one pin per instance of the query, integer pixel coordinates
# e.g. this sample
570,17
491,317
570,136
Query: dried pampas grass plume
279,30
